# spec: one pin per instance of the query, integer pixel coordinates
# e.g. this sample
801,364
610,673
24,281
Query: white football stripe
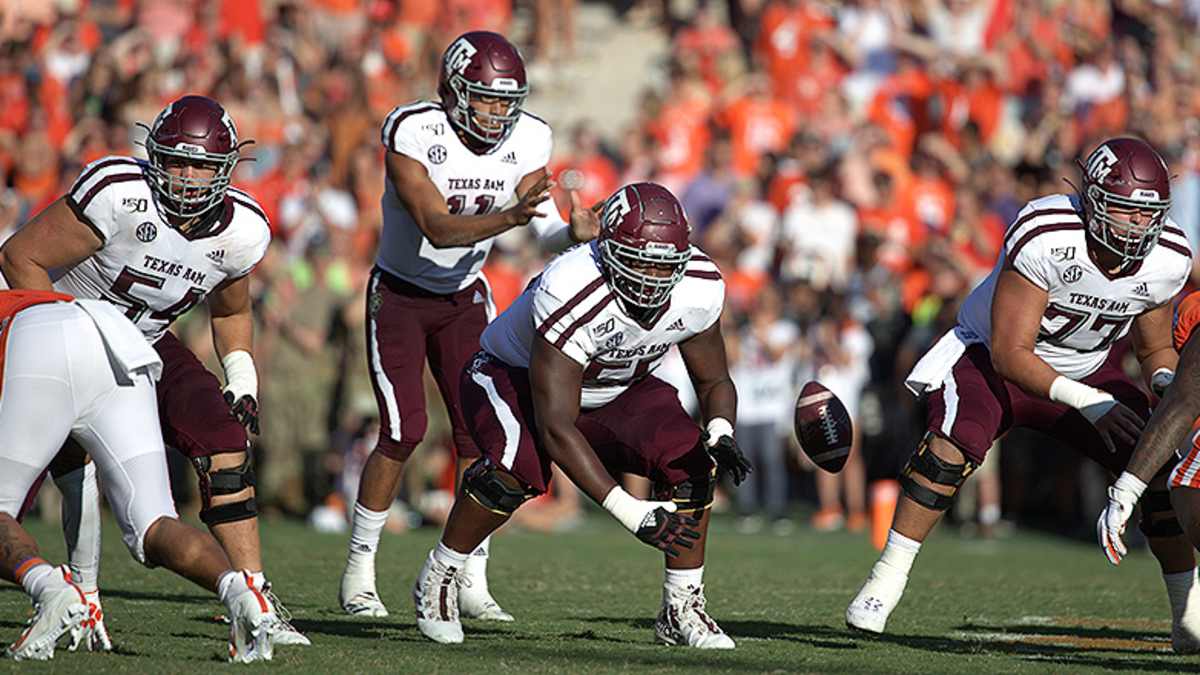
831,454
814,398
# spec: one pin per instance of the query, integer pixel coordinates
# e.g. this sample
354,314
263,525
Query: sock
364,539
1181,591
449,557
684,578
989,515
476,565
36,575
81,524
899,553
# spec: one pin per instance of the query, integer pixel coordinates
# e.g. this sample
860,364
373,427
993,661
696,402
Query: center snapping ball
823,427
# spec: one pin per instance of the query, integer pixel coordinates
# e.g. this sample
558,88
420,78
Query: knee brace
493,488
936,470
693,495
225,482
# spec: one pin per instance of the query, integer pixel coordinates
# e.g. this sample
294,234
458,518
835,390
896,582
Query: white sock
684,578
1181,590
989,515
81,524
476,565
449,557
899,553
38,578
364,539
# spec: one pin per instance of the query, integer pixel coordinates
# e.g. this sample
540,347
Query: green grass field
586,601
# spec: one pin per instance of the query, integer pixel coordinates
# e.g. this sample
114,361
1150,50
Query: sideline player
1031,349
80,369
575,353
156,239
451,166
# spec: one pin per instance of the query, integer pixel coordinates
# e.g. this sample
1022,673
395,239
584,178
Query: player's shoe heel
870,609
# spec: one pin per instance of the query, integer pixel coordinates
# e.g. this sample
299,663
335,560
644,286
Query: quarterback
1032,349
564,376
452,167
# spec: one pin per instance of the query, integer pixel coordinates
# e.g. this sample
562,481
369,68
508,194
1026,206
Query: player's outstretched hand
526,208
245,409
730,460
1122,496
585,221
1119,425
668,531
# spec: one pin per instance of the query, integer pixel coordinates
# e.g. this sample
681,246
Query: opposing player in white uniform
157,238
565,377
1032,349
452,167
79,369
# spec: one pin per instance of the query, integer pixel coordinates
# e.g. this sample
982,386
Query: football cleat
475,602
684,621
870,609
435,594
252,626
1185,637
61,610
285,633
358,596
92,634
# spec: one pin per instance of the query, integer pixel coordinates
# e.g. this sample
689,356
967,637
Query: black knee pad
694,494
936,470
494,488
225,482
1158,516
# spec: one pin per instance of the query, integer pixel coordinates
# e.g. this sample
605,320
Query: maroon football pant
406,324
976,406
644,431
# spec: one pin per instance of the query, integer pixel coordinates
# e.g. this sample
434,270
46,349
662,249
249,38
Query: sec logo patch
146,232
1072,274
437,154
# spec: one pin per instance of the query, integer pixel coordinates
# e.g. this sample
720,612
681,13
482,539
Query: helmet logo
616,208
1143,193
458,57
1101,163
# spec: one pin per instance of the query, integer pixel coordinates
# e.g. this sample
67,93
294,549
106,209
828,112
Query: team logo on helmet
458,56
146,232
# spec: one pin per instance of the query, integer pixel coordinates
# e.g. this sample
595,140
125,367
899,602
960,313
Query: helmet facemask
183,196
465,117
629,279
1117,234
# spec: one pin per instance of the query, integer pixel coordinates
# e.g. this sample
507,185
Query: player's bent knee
1158,515
136,536
397,451
494,488
694,495
234,480
929,466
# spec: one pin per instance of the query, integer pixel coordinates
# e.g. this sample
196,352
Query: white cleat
92,634
475,602
252,627
435,594
683,621
62,610
870,609
285,633
358,596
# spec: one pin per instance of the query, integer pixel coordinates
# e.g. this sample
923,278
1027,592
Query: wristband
718,427
627,509
1130,483
240,376
1090,401
1160,380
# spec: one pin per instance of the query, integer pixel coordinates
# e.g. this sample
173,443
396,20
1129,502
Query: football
823,427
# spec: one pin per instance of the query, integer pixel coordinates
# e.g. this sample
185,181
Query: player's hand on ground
585,221
730,460
668,531
245,409
1122,497
527,206
1119,426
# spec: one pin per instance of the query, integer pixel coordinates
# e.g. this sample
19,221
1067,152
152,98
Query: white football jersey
1088,310
472,185
571,305
146,266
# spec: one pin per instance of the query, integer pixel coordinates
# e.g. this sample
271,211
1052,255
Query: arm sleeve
251,254
541,145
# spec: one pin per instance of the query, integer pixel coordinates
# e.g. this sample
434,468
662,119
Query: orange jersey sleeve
1187,315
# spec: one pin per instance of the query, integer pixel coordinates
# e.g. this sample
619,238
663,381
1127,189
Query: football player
452,167
157,238
1031,349
565,377
80,369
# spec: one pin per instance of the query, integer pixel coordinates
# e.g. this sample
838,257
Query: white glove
1123,495
1160,380
92,634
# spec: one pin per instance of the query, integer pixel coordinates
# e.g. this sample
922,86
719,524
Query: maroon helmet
643,226
482,63
191,130
1129,176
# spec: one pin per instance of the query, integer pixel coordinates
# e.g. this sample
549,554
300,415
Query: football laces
828,425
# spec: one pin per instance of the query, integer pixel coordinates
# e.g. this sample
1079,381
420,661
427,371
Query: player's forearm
445,230
1026,370
1166,431
21,272
1162,359
718,399
232,333
567,448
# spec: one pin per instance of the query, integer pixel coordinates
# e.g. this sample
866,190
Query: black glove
245,409
665,531
730,460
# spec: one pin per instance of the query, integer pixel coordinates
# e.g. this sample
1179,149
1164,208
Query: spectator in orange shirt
757,124
931,195
706,41
785,31
680,128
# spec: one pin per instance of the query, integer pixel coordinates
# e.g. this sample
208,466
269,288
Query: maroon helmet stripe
105,182
391,141
702,274
1012,231
102,164
83,218
591,314
1041,229
1178,248
567,306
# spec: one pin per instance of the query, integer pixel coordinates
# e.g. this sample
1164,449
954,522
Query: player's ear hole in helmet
643,244
482,87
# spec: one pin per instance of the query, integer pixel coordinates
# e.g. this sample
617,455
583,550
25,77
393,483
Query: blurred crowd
852,167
